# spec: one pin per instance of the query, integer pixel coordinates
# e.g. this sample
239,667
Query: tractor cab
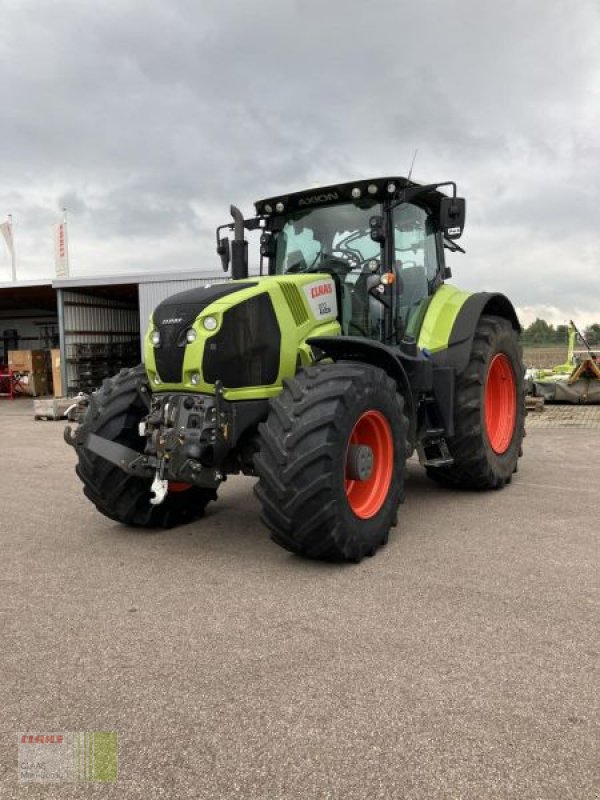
382,240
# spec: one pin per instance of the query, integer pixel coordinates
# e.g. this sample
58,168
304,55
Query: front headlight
210,323
190,335
155,338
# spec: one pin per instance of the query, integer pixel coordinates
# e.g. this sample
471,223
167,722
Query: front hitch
186,442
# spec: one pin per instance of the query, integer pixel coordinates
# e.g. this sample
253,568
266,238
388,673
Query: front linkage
190,440
187,437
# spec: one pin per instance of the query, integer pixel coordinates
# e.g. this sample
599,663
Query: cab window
415,262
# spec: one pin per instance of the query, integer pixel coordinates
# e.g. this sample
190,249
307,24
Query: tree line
542,332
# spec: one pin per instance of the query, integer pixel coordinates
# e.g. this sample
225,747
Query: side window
297,250
415,260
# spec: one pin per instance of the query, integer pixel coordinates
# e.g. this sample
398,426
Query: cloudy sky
147,119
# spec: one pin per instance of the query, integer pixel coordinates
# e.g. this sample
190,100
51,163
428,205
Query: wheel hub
359,462
369,464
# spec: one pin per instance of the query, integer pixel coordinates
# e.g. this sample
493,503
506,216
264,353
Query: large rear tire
489,411
114,413
312,500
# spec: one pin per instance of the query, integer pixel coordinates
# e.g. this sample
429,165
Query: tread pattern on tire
475,465
114,413
300,454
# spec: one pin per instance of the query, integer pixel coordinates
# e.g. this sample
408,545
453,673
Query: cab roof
373,188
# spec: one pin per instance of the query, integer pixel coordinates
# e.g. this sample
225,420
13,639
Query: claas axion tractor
320,376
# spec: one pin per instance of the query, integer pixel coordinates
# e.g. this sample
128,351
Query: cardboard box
34,384
56,373
27,361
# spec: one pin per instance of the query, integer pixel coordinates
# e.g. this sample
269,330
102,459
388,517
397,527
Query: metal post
142,321
60,304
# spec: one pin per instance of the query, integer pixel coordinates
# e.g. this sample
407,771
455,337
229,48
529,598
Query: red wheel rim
367,497
500,403
177,486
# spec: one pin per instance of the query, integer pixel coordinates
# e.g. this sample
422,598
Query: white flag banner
61,250
6,229
7,232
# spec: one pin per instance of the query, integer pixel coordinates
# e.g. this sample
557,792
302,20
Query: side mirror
267,245
224,251
377,229
452,216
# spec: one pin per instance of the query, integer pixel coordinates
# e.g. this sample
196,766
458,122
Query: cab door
416,264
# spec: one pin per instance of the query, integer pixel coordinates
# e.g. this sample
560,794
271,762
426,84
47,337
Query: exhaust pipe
239,247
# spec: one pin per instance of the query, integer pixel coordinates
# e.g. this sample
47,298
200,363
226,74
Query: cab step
439,462
434,452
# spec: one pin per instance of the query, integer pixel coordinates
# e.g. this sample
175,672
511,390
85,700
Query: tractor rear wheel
114,413
489,411
331,461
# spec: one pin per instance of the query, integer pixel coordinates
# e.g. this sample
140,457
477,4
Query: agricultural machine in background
577,381
320,377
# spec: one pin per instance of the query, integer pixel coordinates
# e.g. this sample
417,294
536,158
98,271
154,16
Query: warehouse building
89,327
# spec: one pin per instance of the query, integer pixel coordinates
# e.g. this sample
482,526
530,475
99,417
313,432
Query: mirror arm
408,194
228,226
451,245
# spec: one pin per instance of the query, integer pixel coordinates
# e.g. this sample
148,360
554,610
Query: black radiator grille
246,349
175,315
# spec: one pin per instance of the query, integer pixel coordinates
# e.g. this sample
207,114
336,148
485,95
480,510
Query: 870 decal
321,299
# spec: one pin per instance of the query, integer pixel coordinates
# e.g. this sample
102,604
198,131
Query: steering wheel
336,265
329,264
333,263
350,256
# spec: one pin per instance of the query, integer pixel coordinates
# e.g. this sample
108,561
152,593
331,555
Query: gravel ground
558,416
460,662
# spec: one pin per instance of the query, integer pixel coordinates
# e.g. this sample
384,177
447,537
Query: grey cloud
147,119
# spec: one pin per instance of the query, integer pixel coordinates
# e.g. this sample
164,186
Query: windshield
320,236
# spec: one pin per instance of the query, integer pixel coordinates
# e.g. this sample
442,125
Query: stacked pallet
89,364
32,369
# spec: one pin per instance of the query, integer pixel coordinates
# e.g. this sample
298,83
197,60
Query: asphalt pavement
460,662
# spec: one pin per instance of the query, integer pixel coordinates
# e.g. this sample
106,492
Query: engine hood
246,335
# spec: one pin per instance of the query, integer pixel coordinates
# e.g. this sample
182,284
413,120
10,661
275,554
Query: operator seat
411,290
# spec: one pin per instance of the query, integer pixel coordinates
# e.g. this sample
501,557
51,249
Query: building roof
22,284
76,281
41,293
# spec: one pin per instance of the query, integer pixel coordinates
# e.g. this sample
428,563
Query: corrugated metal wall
106,324
151,294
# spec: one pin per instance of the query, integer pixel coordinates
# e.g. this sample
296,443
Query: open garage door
101,335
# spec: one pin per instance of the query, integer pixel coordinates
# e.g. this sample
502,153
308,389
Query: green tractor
321,376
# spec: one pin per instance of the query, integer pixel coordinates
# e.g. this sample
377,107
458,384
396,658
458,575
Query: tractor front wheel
331,463
489,411
114,413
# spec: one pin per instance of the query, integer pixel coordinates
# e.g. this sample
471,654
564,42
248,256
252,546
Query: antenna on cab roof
414,158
